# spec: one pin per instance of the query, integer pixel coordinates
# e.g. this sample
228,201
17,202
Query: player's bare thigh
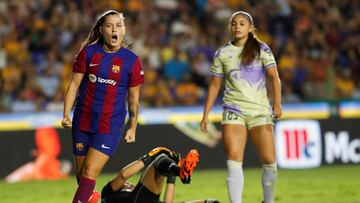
234,138
94,162
262,137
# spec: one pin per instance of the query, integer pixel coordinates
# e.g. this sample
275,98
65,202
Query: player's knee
269,160
89,171
232,155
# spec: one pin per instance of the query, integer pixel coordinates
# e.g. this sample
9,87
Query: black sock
166,166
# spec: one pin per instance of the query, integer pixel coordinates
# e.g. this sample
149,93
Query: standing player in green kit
248,68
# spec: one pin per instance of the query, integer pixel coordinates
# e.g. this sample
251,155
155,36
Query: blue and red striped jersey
101,100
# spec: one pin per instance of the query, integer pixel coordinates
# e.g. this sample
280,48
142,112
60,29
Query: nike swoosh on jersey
93,64
105,147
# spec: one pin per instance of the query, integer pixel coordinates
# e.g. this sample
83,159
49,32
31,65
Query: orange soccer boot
187,165
94,198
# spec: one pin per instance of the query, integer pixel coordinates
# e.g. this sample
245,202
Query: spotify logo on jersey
92,78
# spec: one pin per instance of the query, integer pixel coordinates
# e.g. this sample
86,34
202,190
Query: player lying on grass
158,163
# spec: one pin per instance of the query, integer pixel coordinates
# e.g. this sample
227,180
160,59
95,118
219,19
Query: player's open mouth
114,38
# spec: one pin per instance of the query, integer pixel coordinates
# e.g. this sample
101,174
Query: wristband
171,179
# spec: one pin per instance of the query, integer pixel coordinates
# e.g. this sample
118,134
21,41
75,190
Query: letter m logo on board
298,144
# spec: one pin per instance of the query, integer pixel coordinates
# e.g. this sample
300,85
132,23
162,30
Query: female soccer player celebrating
105,73
246,64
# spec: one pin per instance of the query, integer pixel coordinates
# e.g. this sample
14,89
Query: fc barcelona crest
79,146
115,69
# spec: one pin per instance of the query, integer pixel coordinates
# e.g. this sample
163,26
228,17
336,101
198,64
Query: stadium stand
315,44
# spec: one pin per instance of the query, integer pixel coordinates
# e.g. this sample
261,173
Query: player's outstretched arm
125,173
170,190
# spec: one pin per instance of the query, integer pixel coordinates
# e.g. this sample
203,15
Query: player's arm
170,190
70,96
133,106
125,173
213,91
273,78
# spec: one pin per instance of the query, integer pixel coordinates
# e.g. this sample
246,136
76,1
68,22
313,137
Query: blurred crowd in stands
316,45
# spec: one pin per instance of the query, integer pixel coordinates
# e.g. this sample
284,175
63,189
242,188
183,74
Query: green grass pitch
328,184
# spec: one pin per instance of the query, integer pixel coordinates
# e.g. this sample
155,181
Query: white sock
235,180
269,176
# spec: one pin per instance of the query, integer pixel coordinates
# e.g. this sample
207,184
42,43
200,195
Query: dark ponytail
252,45
251,49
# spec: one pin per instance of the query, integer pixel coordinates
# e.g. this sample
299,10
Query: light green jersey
245,86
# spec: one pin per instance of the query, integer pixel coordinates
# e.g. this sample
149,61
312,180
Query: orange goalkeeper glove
151,156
